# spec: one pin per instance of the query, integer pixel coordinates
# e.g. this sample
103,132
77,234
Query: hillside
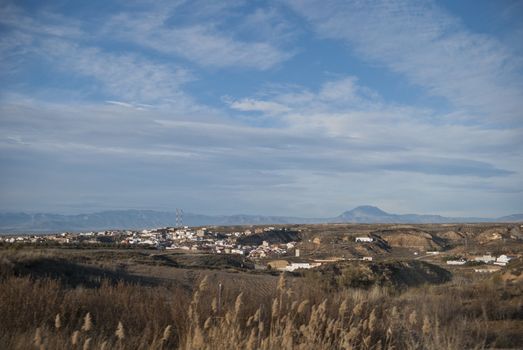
390,273
272,237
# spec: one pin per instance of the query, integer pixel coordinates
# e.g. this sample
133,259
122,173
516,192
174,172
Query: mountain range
139,219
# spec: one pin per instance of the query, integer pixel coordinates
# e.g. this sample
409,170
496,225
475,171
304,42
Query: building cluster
501,260
266,250
183,238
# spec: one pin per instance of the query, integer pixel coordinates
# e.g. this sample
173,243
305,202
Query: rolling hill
138,219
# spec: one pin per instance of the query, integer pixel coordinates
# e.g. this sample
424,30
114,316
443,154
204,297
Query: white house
487,270
456,262
295,266
487,259
502,260
364,239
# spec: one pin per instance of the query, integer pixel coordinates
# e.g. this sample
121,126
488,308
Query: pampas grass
284,320
88,323
120,331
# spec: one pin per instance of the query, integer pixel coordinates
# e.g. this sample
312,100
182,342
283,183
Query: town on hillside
481,247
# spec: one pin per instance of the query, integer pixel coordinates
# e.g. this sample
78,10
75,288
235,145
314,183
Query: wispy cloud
127,76
61,46
428,46
373,135
251,105
200,42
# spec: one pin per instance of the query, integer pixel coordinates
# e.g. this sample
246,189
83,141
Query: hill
389,273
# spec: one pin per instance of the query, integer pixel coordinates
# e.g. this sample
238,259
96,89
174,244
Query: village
192,240
182,238
276,248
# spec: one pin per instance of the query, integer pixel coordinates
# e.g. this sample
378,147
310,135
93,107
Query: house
364,239
201,232
503,260
329,260
278,264
457,262
486,270
487,259
296,266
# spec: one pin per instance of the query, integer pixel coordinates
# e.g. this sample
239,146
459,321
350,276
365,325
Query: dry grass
45,313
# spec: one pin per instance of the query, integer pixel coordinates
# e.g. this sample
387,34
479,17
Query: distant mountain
366,214
139,219
511,218
374,215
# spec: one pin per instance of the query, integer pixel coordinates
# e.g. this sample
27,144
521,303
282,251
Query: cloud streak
203,44
430,47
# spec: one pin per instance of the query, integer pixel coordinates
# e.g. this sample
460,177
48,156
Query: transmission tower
179,217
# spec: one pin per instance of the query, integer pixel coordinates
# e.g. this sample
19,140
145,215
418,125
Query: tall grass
215,313
40,314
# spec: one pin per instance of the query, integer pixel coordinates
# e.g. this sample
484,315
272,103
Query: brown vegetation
39,312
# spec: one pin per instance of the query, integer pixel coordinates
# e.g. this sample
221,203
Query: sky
289,107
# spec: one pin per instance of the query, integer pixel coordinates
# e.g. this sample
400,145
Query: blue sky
291,107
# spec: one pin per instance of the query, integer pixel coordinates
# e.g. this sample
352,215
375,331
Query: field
59,298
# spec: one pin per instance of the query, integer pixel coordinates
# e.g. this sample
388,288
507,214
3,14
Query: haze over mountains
136,219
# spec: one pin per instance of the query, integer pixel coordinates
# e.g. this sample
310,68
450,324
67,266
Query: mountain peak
366,210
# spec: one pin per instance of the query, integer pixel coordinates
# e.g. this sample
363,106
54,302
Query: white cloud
320,163
60,45
251,105
127,76
430,48
202,43
371,134
48,23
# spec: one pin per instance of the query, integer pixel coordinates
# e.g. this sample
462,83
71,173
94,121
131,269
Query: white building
456,262
487,259
503,260
364,239
296,266
487,270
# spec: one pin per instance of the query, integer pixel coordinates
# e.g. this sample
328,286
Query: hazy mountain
366,214
373,215
136,219
511,218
